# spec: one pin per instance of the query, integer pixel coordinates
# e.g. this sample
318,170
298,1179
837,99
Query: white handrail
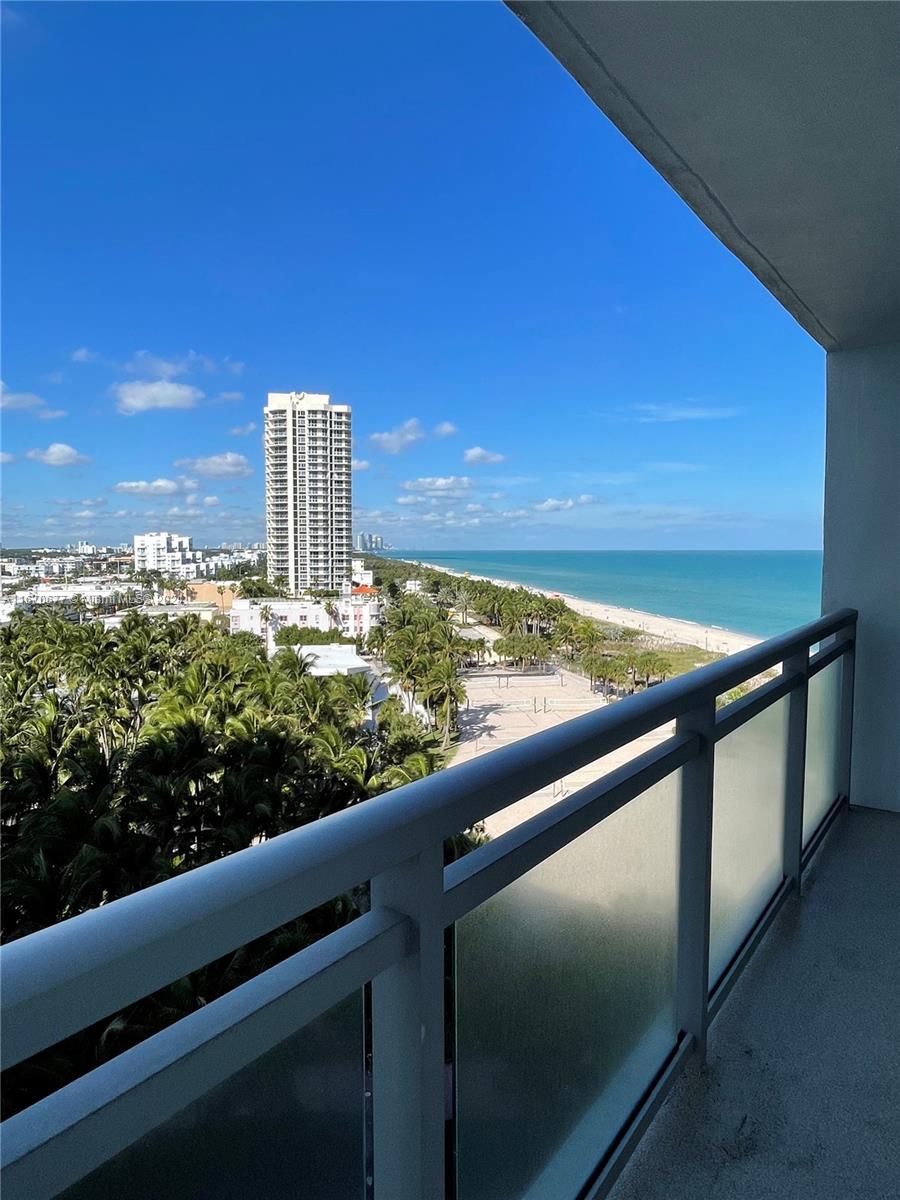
61,979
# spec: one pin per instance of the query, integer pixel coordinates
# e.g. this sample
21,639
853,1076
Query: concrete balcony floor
801,1094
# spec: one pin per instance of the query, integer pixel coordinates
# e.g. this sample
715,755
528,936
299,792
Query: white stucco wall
862,553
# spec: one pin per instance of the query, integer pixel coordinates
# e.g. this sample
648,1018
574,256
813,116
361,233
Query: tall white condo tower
308,490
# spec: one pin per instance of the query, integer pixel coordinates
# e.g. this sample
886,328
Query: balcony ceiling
778,123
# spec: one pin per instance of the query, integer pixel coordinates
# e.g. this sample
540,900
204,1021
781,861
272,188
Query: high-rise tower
308,490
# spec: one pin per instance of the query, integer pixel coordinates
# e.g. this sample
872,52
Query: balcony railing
504,1025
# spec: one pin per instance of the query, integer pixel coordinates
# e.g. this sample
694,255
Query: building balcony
596,954
680,980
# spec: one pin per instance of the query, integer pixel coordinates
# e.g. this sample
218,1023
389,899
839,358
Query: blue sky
413,208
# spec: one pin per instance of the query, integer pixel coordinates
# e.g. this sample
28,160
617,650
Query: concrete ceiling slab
777,122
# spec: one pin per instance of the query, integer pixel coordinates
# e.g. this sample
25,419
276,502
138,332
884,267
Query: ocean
759,592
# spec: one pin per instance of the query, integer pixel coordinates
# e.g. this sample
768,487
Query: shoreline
670,629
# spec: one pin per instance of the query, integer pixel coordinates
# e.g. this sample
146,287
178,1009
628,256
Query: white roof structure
337,659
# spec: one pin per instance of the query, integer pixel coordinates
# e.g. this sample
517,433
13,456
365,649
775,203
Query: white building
343,660
170,553
359,574
353,616
14,566
308,489
62,565
339,659
91,591
368,542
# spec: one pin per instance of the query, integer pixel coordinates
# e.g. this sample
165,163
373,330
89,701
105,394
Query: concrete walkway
505,706
801,1096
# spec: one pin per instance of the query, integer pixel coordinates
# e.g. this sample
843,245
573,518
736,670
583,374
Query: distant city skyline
542,347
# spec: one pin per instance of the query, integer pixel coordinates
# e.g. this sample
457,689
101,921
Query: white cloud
6,458
83,355
512,514
218,466
143,362
688,411
143,487
439,485
18,400
28,402
445,429
145,394
412,500
359,464
232,365
551,505
54,376
230,397
84,514
58,454
401,438
210,501
674,467
477,454
243,430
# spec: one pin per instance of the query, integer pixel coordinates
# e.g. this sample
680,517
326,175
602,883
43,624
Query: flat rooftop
800,1097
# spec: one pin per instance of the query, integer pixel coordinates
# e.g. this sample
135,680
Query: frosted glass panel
748,830
289,1125
823,739
565,1004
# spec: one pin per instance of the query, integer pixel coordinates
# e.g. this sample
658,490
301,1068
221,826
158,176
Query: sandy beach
669,629
504,705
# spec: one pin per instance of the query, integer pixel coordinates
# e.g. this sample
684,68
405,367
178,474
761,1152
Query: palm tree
266,613
444,693
616,674
377,640
136,754
462,600
80,606
353,698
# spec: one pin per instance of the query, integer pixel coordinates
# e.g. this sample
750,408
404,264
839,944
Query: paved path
507,706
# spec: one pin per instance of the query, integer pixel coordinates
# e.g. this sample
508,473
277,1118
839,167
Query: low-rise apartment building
353,615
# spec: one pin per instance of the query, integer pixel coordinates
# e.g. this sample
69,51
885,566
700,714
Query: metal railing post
795,768
694,877
408,1039
845,733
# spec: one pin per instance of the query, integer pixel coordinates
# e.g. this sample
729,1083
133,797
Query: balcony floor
801,1095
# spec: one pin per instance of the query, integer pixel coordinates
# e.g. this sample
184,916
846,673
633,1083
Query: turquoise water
757,592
